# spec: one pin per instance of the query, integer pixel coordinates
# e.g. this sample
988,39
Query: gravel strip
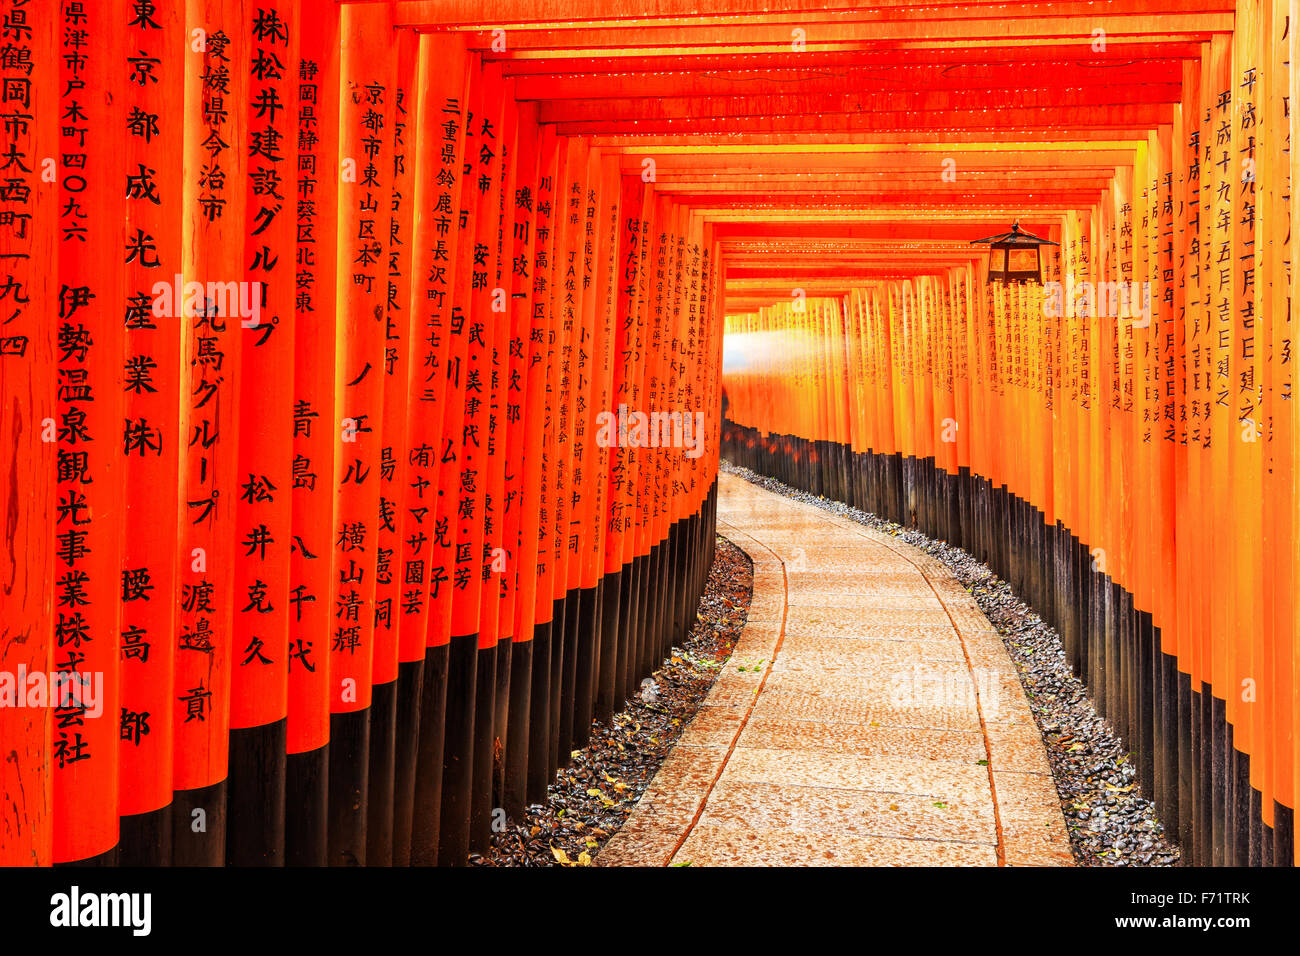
592,797
1110,822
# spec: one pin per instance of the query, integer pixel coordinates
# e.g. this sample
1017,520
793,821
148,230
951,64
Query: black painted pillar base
107,859
426,817
514,796
306,819
199,826
559,652
381,780
485,698
458,752
406,755
627,612
588,663
255,803
145,839
539,717
568,677
611,611
349,779
501,713
644,636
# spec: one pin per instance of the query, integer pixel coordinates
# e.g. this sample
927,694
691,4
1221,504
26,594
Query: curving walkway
868,716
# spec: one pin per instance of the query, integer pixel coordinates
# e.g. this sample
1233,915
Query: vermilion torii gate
313,317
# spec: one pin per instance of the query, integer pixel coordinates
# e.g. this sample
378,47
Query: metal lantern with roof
1015,256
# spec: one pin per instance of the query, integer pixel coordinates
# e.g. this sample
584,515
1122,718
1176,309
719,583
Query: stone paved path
868,716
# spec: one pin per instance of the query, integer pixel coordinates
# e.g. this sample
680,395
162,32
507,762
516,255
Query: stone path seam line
744,721
1000,848
813,738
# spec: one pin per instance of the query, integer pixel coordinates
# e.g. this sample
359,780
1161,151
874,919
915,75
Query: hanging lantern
1015,256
